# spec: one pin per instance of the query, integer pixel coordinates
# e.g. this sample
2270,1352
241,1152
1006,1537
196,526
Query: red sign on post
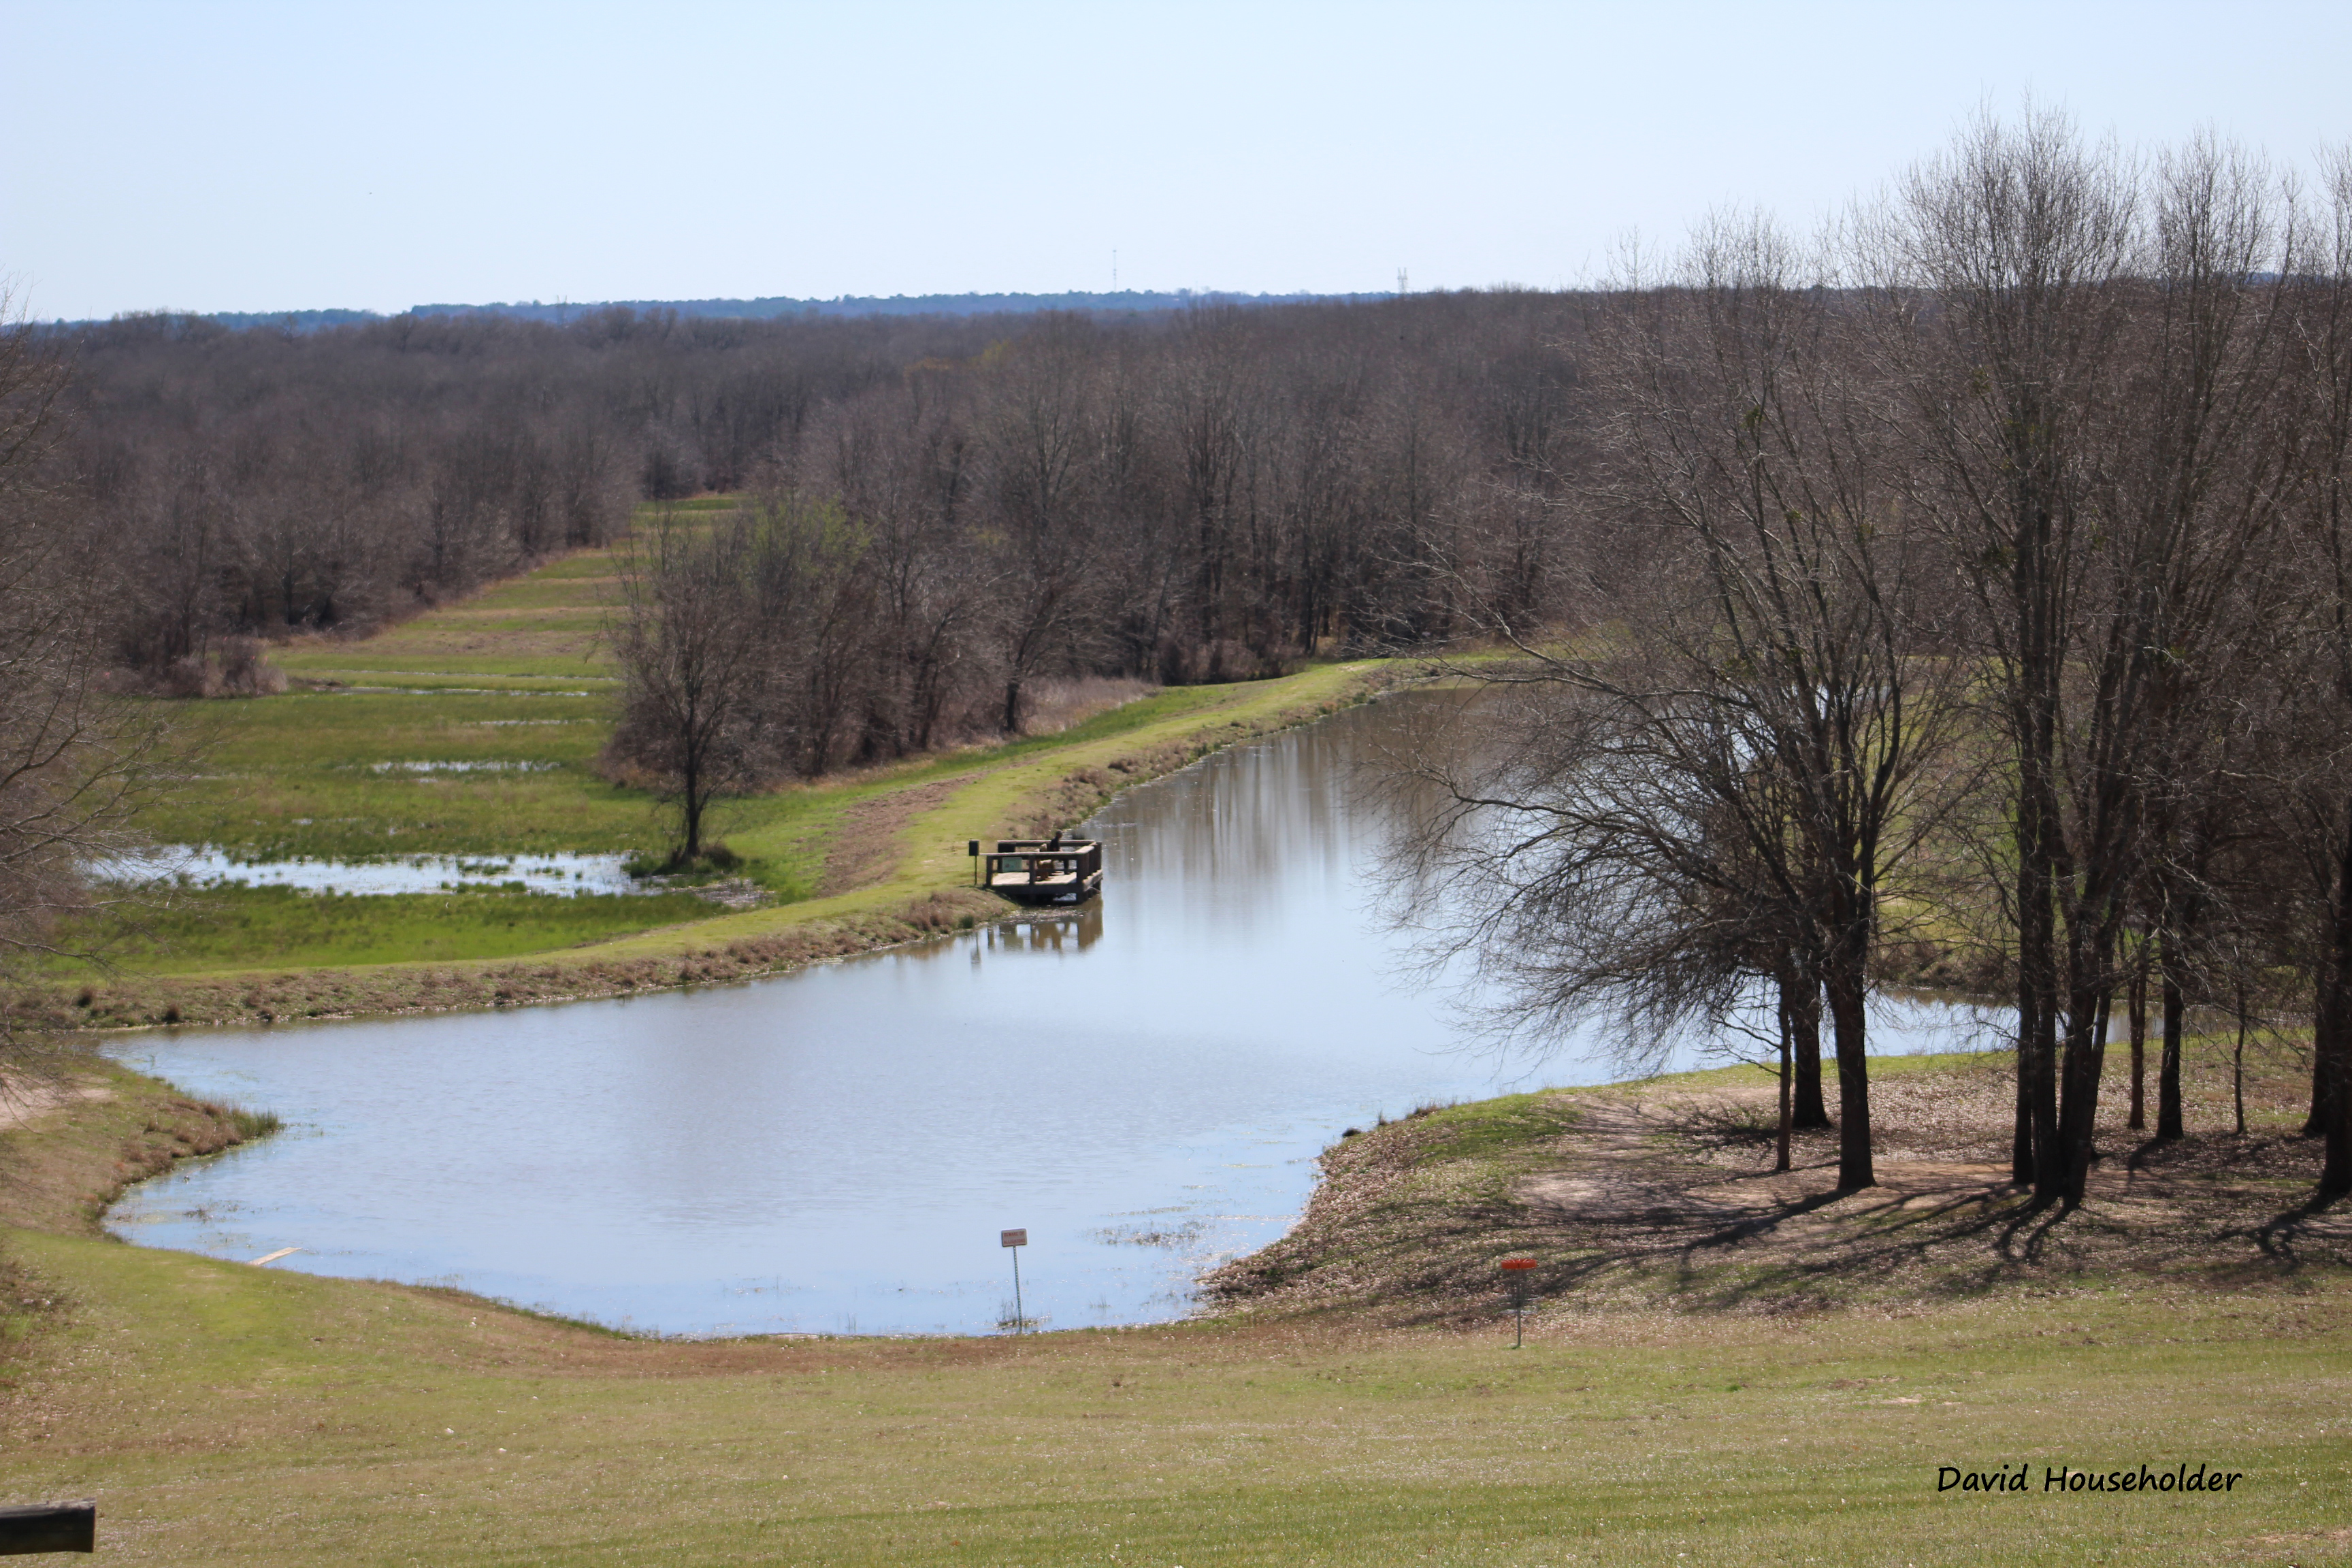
1013,1238
1514,1264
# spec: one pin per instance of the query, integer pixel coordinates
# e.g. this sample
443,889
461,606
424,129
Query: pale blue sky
258,156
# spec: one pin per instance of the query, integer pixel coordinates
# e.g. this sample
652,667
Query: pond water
1143,1085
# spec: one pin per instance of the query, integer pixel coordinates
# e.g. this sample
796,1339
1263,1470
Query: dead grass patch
864,844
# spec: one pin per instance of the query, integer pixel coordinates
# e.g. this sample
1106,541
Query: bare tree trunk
2332,1038
2167,1072
692,811
2038,956
2021,1142
1847,990
2325,1050
2238,1063
2336,1173
1788,1010
2087,1056
2331,1015
2087,1029
2137,1003
1805,1025
2035,1131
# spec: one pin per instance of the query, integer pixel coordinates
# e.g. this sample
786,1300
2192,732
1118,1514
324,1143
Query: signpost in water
1016,1240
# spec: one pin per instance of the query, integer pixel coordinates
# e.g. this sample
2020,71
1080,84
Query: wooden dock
1043,870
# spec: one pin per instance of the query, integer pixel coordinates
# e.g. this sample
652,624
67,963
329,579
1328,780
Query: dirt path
22,1104
865,847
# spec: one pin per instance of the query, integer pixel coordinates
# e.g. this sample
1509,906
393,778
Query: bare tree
1756,743
1996,295
695,716
1040,540
76,761
1565,843
2103,456
2318,798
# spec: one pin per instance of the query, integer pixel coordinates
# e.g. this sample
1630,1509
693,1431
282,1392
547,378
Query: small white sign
1013,1238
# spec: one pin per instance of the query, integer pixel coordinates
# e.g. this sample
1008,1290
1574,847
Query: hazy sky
250,156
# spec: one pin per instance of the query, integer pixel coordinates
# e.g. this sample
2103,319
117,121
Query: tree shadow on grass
2280,1235
1637,1203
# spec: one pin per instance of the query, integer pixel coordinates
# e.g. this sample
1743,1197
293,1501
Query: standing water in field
1143,1085
563,875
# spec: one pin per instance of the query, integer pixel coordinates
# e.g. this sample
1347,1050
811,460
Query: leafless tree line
77,759
1195,495
251,484
1991,599
1212,497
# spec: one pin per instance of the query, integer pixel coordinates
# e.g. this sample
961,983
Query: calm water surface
1143,1085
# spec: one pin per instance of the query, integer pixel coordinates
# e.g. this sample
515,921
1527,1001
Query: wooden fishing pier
1043,870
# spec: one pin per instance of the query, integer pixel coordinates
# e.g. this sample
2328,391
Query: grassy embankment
224,1413
472,730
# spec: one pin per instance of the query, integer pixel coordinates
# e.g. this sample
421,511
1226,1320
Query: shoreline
1642,1196
182,1390
1659,1193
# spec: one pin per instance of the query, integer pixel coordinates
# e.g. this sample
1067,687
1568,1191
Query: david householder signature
2067,1478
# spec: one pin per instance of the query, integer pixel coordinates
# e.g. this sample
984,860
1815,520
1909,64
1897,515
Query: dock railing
1041,864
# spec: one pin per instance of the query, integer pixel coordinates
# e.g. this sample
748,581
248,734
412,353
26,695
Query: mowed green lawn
513,682
220,1413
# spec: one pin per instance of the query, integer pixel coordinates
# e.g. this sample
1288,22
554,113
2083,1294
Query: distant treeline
771,307
1122,302
260,482
1201,494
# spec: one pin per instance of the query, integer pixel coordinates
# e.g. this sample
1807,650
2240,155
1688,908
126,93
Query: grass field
224,1412
326,774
